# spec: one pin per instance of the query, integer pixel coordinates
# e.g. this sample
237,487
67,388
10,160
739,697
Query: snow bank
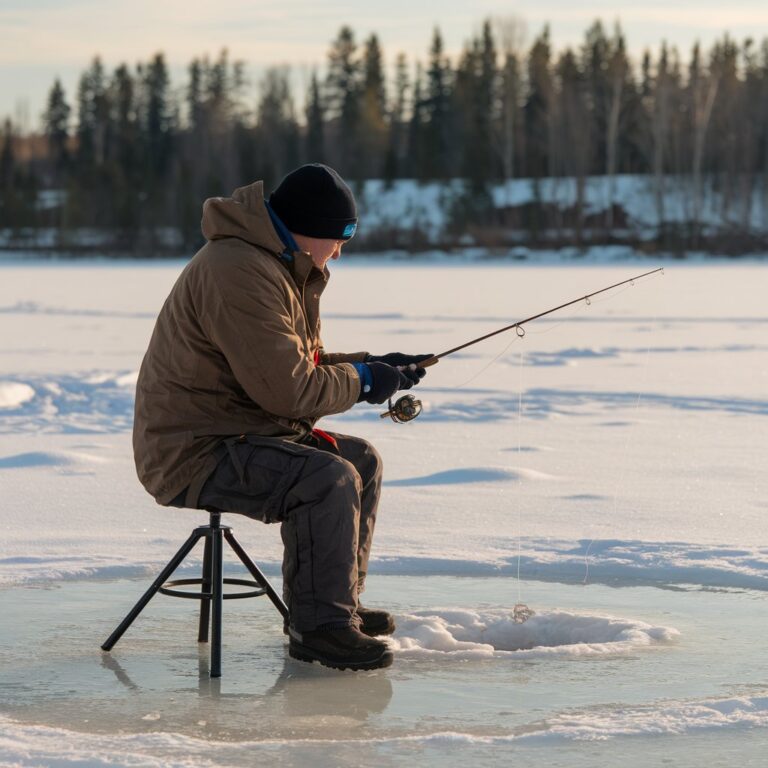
408,205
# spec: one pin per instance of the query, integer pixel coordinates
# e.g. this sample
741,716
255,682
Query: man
232,384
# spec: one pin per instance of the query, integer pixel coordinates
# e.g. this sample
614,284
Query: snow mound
48,459
13,394
495,633
463,475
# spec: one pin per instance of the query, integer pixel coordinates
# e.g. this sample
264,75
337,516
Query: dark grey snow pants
325,498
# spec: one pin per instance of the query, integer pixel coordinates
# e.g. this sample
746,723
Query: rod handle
428,362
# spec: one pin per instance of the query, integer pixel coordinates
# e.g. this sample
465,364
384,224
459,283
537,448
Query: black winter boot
342,648
375,622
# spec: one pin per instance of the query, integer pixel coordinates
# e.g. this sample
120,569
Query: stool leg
260,578
149,594
217,598
205,603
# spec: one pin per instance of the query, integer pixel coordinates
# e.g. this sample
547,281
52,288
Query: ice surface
618,444
150,699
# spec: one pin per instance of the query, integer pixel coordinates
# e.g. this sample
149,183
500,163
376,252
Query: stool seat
211,592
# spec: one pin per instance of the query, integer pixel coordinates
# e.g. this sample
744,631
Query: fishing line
625,450
487,365
520,474
581,308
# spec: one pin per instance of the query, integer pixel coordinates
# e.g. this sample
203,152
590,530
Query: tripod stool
211,594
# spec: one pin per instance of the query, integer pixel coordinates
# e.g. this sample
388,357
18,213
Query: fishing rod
408,407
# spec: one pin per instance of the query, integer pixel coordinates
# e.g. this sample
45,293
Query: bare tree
703,91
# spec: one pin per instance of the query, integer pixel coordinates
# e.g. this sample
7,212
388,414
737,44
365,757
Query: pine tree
194,94
538,108
595,55
511,32
8,202
56,126
18,185
437,111
157,117
415,153
617,77
342,88
510,92
126,174
314,141
487,106
373,127
617,71
277,127
396,148
7,159
89,202
93,116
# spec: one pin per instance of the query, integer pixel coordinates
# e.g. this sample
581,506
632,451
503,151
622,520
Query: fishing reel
403,410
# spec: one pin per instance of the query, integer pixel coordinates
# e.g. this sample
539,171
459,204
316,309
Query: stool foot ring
167,589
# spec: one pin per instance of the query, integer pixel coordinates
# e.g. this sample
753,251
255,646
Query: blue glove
379,381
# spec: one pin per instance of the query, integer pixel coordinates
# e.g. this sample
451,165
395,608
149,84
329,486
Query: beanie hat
314,201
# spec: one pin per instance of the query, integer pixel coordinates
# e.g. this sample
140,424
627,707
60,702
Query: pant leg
320,534
368,464
316,496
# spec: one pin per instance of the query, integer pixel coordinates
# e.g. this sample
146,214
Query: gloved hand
397,358
379,381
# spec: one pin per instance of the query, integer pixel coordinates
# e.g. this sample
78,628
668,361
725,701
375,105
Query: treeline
135,156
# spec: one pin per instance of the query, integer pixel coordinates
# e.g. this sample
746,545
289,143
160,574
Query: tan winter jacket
233,350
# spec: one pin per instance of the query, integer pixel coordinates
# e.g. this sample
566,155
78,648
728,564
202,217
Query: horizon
265,37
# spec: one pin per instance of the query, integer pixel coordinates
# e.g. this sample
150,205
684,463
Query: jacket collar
246,216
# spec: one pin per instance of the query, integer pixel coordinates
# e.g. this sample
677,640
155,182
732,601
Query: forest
123,165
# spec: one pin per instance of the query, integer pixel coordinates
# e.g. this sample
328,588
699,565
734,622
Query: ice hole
499,632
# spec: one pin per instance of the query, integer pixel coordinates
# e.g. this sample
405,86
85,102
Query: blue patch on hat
349,230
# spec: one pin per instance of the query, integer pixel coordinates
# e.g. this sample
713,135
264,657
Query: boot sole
302,653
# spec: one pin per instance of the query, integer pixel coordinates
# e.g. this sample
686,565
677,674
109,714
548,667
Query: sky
44,39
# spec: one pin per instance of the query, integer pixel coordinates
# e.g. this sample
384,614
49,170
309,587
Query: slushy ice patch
495,633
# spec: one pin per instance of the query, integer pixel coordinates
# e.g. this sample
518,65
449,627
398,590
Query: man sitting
231,386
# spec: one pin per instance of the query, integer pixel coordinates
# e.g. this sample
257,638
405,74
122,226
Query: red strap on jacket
325,436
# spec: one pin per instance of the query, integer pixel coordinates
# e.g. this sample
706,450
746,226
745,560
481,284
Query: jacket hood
244,216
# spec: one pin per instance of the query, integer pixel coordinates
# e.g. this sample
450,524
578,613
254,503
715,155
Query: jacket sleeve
334,358
249,316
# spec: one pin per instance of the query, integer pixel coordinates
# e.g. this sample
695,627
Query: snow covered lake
606,469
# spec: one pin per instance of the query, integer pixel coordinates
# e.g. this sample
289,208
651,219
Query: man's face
321,250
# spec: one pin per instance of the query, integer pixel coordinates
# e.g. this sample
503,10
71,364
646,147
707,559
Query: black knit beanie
314,201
